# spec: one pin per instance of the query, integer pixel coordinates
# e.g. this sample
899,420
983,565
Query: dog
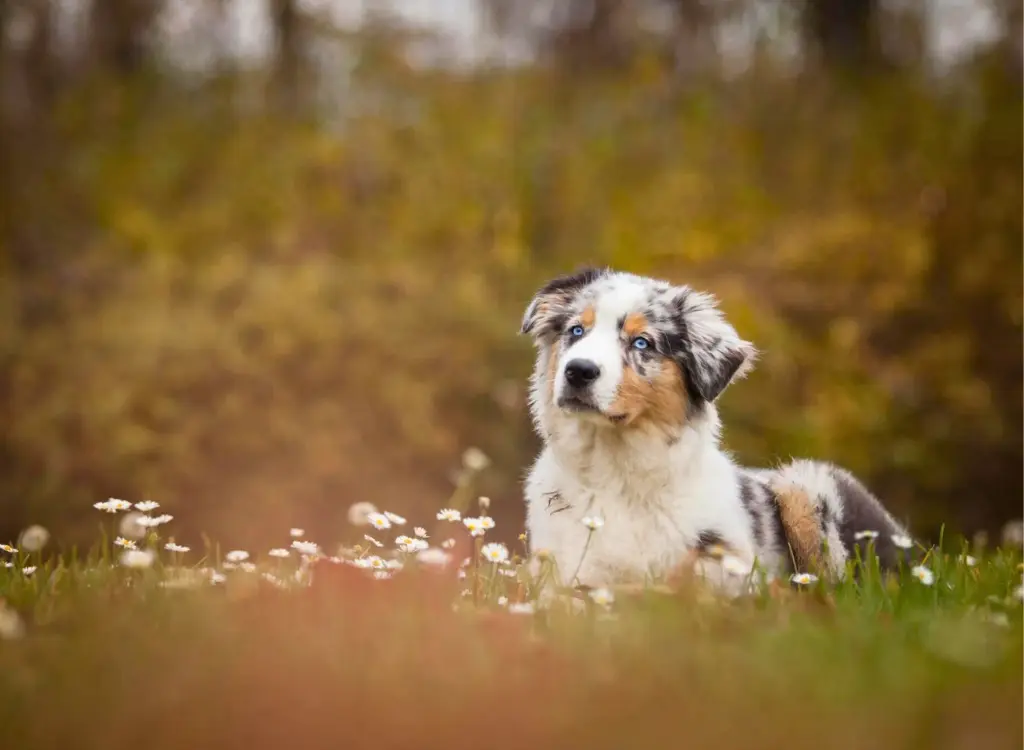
623,395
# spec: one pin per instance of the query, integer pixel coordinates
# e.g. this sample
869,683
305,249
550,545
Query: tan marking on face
634,324
800,525
588,316
660,400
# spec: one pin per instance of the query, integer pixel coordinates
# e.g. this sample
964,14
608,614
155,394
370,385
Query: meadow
406,636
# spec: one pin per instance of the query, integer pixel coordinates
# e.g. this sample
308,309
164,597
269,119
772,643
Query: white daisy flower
435,557
29,570
602,596
508,572
248,567
804,579
448,543
394,518
474,526
420,532
126,543
216,577
968,560
7,548
172,547
475,459
148,522
306,548
279,552
372,541
923,574
494,552
486,522
34,538
902,541
361,514
865,535
593,522
112,505
375,562
448,514
409,544
379,521
296,533
526,608
147,506
237,556
137,558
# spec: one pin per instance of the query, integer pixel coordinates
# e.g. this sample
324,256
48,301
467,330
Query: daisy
496,553
604,597
237,556
375,562
248,567
306,548
394,518
172,547
865,535
412,545
420,532
148,522
279,552
372,541
7,548
448,514
147,506
804,579
593,522
902,541
379,521
126,543
216,577
296,533
508,572
112,505
486,522
474,526
29,570
923,574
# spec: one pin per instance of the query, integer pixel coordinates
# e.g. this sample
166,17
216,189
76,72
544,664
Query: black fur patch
863,512
708,539
749,492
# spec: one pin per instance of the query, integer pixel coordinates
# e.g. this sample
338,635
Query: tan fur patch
634,324
800,524
588,316
660,401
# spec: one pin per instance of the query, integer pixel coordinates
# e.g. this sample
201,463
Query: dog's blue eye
576,331
641,343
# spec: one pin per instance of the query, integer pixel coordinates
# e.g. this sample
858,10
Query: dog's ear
705,344
546,311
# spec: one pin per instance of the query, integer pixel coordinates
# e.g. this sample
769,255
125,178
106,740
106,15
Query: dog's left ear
546,310
708,348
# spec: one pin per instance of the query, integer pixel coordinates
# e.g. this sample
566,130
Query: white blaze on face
602,343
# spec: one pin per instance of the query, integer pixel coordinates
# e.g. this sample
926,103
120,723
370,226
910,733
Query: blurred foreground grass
216,649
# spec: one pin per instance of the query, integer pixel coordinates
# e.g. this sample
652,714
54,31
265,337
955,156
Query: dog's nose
581,372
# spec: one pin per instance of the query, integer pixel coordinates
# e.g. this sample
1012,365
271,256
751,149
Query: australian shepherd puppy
623,394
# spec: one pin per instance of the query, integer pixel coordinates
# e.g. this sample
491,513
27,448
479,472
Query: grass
189,650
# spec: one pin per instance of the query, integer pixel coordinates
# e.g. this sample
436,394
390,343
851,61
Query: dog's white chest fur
655,500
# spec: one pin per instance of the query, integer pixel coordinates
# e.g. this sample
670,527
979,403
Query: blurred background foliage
261,260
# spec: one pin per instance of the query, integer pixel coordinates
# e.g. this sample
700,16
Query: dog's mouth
577,405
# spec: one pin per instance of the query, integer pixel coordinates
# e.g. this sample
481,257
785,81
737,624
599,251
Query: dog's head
624,351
